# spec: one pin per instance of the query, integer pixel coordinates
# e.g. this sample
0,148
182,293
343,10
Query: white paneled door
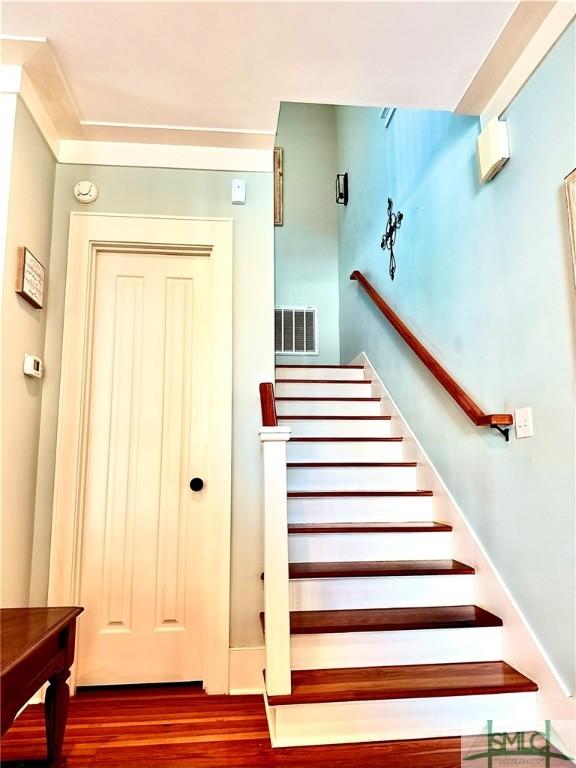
142,560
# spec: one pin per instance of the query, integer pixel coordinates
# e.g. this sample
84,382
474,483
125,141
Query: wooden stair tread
324,381
411,527
316,464
378,568
352,367
319,686
391,619
346,439
332,399
333,418
349,494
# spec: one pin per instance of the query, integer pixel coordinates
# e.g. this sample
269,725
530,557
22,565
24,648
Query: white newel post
276,584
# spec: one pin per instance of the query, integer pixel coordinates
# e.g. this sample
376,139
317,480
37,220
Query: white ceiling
227,65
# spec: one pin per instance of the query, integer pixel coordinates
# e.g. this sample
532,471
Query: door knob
196,484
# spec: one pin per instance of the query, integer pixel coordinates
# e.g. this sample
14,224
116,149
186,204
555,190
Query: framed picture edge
570,188
278,187
22,251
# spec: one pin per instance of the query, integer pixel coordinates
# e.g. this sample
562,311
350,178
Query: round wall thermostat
85,192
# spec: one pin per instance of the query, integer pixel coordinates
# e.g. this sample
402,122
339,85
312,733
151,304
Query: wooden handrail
474,413
268,405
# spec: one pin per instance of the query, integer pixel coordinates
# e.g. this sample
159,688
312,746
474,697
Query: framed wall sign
30,278
278,182
571,200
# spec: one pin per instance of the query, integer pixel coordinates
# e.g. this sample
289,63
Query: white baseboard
246,665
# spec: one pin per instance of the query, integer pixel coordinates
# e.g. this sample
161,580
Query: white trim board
190,128
299,725
246,667
522,648
523,22
553,26
165,156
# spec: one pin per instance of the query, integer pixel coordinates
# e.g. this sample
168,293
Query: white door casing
98,244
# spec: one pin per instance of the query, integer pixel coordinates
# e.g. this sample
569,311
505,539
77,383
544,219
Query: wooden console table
37,645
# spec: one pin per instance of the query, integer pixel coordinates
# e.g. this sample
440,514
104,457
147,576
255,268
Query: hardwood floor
179,726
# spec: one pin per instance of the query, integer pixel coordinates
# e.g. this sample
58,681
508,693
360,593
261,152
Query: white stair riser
355,547
328,407
395,719
322,389
345,451
362,509
381,649
338,428
380,592
317,372
352,479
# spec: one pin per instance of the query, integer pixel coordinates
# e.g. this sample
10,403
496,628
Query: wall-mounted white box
493,149
238,191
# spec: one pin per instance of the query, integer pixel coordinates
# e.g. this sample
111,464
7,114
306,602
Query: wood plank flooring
181,727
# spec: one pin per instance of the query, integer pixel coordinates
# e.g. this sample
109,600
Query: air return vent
295,331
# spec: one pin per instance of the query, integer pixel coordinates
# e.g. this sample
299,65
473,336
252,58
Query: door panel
142,560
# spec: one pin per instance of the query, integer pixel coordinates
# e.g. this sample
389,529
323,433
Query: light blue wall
306,246
485,279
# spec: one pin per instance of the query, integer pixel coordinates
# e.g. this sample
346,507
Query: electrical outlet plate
523,422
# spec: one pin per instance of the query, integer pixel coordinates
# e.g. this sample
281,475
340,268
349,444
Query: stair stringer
521,647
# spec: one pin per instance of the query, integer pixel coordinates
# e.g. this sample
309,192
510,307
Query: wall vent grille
295,331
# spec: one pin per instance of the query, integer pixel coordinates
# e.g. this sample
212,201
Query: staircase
386,641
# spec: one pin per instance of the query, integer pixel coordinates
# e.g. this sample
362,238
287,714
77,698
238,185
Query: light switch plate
33,366
523,422
238,191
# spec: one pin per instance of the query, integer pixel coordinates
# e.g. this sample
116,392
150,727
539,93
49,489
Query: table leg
56,714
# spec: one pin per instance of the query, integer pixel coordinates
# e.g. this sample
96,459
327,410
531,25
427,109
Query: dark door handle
196,484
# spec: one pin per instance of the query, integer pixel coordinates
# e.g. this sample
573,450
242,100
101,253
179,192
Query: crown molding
531,31
191,128
554,25
523,23
165,156
31,69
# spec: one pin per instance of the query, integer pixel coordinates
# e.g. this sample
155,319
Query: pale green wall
485,280
306,246
185,193
23,330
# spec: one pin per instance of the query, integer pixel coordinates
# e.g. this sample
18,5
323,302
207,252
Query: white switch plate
523,422
238,191
33,366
